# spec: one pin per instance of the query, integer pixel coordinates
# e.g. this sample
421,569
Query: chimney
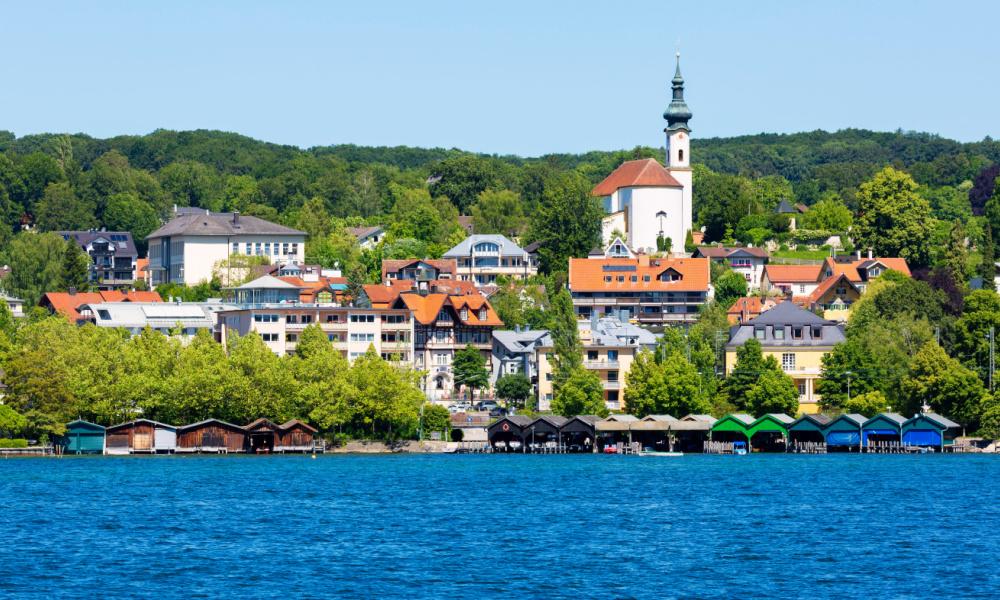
236,218
72,291
859,254
869,253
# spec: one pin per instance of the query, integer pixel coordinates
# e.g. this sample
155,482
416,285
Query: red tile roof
828,284
793,273
591,274
636,173
67,304
308,290
427,307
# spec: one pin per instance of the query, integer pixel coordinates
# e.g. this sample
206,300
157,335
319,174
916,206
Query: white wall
644,226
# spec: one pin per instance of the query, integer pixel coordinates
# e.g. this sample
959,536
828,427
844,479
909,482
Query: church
649,204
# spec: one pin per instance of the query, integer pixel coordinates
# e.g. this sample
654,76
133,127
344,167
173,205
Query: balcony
611,385
600,365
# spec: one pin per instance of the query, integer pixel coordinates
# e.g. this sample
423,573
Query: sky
510,77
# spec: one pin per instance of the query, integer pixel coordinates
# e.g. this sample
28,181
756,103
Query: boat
656,453
740,448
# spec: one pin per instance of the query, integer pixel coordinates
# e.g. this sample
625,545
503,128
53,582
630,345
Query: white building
182,319
748,262
646,202
187,249
481,258
16,305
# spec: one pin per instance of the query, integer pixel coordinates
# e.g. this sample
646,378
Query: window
291,337
621,278
248,250
612,375
779,332
612,355
362,318
680,155
841,291
284,248
817,332
802,288
464,313
307,319
758,332
634,278
802,388
645,278
796,333
269,337
267,248
362,337
333,337
332,318
295,249
788,361
257,249
482,314
104,314
292,319
264,318
591,354
236,248
607,279
548,377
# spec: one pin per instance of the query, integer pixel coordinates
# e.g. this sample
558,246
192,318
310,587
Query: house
514,351
367,237
211,435
797,338
930,430
844,432
183,319
646,201
69,304
482,258
653,291
792,211
833,297
15,305
263,436
749,307
266,289
142,272
352,331
444,323
883,427
748,262
113,256
82,437
790,280
187,248
141,436
609,347
418,270
861,271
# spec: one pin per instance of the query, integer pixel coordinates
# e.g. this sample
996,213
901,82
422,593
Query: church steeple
677,113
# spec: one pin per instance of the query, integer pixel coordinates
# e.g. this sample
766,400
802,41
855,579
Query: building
860,271
646,202
609,347
515,351
73,305
482,258
113,256
82,437
266,289
182,319
800,281
15,305
790,280
141,436
444,322
750,307
748,262
418,270
367,237
797,339
212,436
352,331
653,291
187,249
791,211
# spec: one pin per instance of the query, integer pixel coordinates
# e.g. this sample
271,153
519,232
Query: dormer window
817,332
796,333
779,332
482,314
758,332
464,313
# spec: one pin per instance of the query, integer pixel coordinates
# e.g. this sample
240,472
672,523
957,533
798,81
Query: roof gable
646,172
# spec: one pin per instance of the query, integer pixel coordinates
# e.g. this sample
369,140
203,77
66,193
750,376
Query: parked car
487,405
460,407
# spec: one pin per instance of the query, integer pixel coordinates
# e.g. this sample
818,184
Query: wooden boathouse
507,433
296,436
844,432
579,434
769,433
883,427
141,436
82,437
732,428
211,436
809,429
930,430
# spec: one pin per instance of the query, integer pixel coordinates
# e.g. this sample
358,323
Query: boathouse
844,432
296,436
262,436
809,428
732,428
883,427
507,434
688,434
141,436
82,437
930,430
544,433
653,432
614,430
770,432
579,434
211,435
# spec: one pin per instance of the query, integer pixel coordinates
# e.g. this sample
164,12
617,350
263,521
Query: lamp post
661,215
848,373
532,439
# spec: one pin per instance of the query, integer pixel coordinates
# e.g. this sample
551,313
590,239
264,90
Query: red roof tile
636,173
67,304
592,274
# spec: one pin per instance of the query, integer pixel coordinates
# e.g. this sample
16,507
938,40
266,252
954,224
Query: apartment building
748,262
113,256
482,258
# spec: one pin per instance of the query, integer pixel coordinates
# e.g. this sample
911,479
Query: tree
567,223
580,394
689,245
515,388
988,265
498,211
941,382
893,219
355,292
61,209
435,418
127,212
664,382
773,392
191,183
730,286
11,423
868,404
321,373
387,401
829,214
956,257
463,178
749,366
36,263
416,215
469,368
75,267
566,346
972,330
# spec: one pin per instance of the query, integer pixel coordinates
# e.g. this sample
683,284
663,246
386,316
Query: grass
801,254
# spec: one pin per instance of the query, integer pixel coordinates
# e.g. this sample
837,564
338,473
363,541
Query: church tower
679,143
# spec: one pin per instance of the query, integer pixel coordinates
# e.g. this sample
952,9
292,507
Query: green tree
127,212
463,178
664,382
773,392
893,219
498,211
972,330
941,382
829,214
567,223
61,209
988,265
436,418
868,404
729,287
321,375
191,183
566,346
956,257
11,423
75,267
36,263
580,394
515,388
750,365
469,368
387,400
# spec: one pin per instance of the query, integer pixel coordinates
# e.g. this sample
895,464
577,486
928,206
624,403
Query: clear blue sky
500,77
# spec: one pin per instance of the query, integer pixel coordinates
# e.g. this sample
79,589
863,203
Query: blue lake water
501,526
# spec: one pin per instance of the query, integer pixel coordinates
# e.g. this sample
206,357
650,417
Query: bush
13,443
783,248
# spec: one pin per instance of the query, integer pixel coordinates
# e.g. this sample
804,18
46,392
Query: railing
612,385
600,364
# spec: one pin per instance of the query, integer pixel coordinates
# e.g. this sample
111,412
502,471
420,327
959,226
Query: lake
480,526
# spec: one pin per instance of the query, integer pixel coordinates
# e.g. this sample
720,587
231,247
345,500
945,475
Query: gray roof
622,418
221,224
520,341
782,318
610,331
663,418
781,417
464,248
206,421
743,418
157,315
701,418
936,418
364,232
150,421
784,208
121,241
894,417
853,417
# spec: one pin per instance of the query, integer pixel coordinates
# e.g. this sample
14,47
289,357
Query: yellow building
609,346
797,339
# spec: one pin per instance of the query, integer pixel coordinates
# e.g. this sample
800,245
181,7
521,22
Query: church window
680,155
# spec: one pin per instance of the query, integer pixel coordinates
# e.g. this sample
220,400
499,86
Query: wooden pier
29,451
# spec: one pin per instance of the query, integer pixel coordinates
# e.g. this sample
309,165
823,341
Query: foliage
664,383
567,223
773,392
941,382
469,369
987,268
729,287
869,404
514,388
11,422
567,349
828,214
580,394
521,304
13,443
972,330
41,263
750,364
498,211
436,418
893,219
